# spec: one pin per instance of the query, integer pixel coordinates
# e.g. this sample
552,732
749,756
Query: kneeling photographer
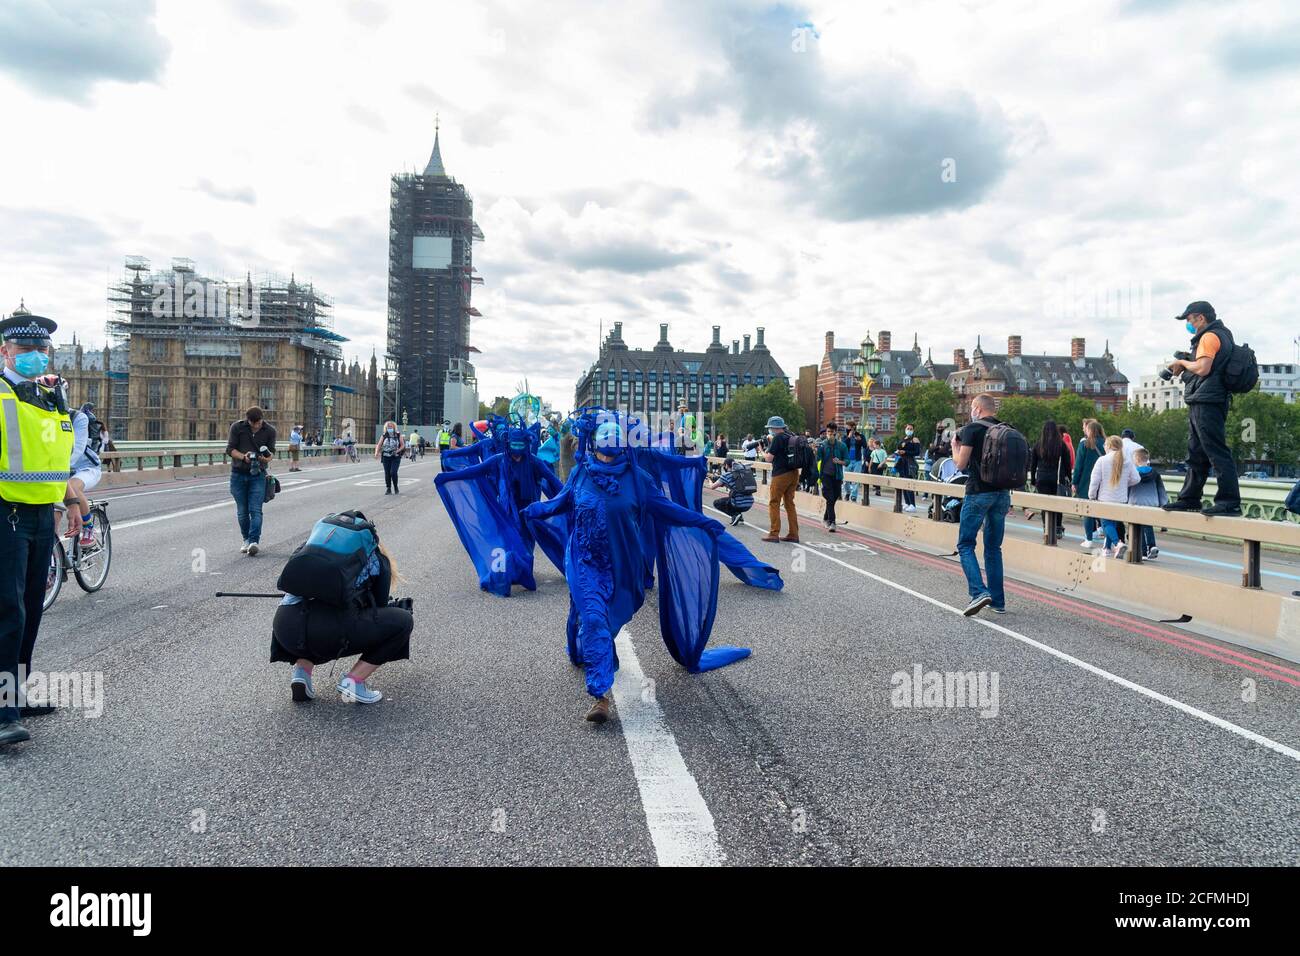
337,603
1215,368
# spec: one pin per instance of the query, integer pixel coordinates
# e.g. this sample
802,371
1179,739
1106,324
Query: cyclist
86,469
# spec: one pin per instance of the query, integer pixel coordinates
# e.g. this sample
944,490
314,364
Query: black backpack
1241,370
96,441
1004,459
745,483
328,567
801,454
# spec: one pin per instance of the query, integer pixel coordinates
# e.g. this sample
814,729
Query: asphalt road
1110,740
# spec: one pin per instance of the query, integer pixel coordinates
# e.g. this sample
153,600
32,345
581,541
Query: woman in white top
389,450
1112,477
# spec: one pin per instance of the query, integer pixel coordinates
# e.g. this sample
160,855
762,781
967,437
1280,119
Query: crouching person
337,602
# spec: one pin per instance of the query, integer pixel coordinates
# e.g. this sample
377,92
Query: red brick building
839,392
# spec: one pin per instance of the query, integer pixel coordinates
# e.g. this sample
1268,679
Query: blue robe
485,502
682,478
612,508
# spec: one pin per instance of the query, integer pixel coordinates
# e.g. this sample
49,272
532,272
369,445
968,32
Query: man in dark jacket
1207,399
251,446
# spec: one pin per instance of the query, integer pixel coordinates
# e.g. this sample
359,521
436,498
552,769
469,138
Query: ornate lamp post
329,415
866,366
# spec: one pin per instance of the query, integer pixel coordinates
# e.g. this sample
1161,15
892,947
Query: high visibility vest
444,439
35,450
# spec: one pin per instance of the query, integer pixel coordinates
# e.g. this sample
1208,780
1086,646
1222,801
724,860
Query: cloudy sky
949,169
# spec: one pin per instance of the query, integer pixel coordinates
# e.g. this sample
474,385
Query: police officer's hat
23,328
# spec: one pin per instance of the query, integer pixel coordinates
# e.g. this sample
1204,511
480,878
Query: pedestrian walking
907,452
785,479
295,447
1049,469
988,498
1091,448
251,446
1111,480
1149,492
832,455
389,450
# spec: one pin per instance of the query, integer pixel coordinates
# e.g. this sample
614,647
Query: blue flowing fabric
610,507
485,503
682,479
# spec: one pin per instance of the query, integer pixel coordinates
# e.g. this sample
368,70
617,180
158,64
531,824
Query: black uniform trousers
26,542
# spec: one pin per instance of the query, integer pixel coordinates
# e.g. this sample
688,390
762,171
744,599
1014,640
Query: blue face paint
1191,329
31,364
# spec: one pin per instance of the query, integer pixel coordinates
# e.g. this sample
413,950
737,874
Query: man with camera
251,446
1207,395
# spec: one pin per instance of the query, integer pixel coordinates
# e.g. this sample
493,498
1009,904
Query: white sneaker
1120,549
252,548
244,549
1087,543
909,507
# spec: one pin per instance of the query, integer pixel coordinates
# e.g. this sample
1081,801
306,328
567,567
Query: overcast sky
950,169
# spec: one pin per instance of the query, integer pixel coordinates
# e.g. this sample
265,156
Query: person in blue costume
485,502
491,442
609,503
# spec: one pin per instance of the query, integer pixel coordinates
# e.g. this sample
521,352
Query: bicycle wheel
54,579
91,566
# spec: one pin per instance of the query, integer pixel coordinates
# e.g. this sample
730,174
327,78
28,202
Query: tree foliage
750,408
926,404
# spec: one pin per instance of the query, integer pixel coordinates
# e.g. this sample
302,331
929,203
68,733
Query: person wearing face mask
1208,396
36,439
389,450
610,509
908,451
251,446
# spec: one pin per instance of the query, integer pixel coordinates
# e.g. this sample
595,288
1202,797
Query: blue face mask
31,364
1144,469
1191,329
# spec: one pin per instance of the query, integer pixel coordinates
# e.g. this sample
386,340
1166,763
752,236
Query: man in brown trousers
785,479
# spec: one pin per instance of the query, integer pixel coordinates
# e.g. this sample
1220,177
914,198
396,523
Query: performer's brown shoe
791,537
599,712
770,537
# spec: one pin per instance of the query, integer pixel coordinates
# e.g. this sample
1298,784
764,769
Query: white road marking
1090,668
227,503
186,486
681,826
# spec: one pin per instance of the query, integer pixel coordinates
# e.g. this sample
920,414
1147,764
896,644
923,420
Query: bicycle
89,566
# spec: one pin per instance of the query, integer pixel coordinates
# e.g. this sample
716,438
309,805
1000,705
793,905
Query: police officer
35,453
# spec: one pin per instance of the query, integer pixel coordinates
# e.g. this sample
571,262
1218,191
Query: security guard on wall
35,454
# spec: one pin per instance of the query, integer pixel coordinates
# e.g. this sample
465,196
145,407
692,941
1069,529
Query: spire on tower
434,166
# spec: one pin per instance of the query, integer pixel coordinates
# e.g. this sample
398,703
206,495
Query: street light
328,402
866,367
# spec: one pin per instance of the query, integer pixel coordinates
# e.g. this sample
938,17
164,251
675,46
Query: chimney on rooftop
1076,348
746,343
959,358
735,346
882,341
717,335
830,342
1013,346
759,344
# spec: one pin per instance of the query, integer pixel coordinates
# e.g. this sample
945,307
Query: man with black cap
35,455
1207,397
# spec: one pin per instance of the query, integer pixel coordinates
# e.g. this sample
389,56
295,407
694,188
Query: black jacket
1047,471
1210,390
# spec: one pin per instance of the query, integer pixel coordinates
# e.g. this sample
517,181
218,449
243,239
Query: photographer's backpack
1004,460
801,454
330,565
1241,371
745,483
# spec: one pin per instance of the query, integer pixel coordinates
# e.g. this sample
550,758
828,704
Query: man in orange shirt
1207,398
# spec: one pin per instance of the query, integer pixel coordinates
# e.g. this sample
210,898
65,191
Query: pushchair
945,470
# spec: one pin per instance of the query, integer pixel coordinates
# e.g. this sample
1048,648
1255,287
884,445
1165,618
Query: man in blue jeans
983,507
251,446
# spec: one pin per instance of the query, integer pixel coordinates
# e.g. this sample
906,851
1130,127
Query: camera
1167,375
255,463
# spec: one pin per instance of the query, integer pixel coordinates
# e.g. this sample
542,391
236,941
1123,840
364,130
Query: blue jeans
1148,538
987,510
1090,525
851,487
1111,530
249,492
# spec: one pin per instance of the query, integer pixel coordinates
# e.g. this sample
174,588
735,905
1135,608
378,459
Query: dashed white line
681,826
